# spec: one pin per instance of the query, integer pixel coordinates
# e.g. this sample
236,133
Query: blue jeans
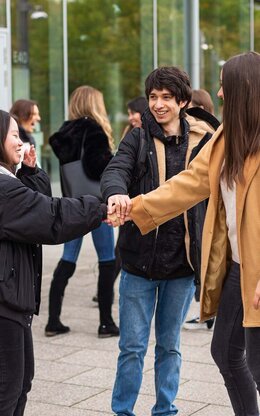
103,239
139,299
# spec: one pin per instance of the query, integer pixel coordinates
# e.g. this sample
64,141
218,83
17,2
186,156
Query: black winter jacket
161,254
28,219
66,144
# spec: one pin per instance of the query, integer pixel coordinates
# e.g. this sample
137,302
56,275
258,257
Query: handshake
118,210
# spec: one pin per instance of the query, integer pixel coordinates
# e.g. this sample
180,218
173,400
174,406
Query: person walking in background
29,217
26,113
158,269
227,171
87,119
201,99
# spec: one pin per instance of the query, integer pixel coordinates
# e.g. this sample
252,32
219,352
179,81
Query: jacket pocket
16,290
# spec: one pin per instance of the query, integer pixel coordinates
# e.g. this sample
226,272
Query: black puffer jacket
66,144
28,219
162,253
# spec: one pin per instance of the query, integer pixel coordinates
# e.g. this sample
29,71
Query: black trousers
236,350
16,367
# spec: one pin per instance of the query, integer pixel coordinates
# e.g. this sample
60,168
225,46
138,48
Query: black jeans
16,367
236,350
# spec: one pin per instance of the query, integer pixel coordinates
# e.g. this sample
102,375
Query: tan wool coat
201,181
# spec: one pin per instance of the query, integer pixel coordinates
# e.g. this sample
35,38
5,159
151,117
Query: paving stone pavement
75,372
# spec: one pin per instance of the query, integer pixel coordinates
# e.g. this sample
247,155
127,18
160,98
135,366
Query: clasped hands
118,210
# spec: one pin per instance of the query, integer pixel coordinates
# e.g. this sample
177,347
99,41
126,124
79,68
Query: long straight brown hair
241,113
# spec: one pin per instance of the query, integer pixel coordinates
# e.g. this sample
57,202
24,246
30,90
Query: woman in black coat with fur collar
87,119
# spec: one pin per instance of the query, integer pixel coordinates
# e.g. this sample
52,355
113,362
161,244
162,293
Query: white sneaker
196,324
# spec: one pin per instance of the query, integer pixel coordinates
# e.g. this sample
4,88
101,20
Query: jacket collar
150,124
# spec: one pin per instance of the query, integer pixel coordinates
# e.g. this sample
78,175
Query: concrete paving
75,372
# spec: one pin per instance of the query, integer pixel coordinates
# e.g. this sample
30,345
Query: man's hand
29,158
121,205
256,301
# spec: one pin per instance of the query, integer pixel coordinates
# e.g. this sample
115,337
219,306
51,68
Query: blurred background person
135,109
27,115
87,119
201,98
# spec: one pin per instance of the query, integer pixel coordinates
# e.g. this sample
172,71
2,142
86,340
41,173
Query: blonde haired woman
87,119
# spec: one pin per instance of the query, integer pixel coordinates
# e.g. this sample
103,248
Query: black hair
138,105
5,120
174,80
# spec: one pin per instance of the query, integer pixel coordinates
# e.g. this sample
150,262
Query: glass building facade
50,47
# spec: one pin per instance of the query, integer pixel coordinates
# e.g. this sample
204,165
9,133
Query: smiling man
158,269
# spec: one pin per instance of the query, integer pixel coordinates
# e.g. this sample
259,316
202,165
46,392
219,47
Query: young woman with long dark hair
227,171
29,217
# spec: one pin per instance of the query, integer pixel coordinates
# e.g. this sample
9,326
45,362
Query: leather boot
106,280
61,275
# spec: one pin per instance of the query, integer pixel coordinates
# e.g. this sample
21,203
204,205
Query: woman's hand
29,158
114,221
256,301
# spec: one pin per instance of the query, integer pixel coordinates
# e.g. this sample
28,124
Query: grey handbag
75,182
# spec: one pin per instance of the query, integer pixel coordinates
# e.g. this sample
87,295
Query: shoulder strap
140,167
82,143
160,153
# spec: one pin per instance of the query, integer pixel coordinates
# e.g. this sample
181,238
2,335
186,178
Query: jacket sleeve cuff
141,217
113,191
104,211
28,170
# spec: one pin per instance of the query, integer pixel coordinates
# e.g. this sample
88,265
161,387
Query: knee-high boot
106,280
61,275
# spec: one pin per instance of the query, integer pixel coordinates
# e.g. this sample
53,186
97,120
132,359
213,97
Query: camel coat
201,181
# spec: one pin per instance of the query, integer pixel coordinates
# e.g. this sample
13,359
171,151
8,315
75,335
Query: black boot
118,267
106,280
61,275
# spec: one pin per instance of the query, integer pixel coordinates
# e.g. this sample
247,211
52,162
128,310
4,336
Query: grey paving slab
84,340
95,377
58,372
197,338
100,359
200,372
198,355
204,392
47,351
211,410
45,409
61,393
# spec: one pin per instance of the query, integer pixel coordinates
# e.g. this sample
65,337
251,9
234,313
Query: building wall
57,45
